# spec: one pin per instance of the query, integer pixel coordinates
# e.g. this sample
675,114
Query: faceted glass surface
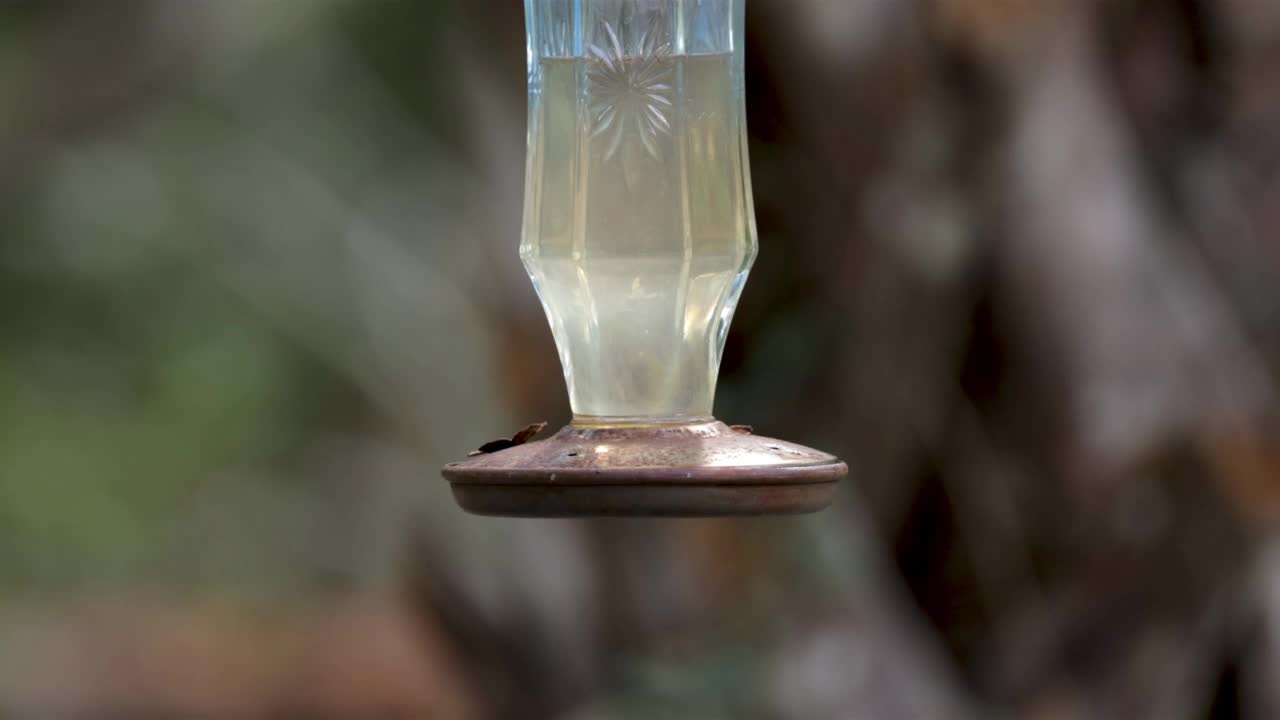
639,231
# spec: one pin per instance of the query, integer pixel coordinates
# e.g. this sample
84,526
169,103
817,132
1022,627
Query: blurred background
258,280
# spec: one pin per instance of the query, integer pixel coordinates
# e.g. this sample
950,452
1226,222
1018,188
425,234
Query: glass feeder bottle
638,225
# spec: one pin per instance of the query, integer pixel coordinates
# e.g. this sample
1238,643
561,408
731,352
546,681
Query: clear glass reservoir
639,230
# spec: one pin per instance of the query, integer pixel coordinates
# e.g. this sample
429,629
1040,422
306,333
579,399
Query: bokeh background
258,281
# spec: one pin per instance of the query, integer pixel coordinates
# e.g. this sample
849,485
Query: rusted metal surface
516,440
697,469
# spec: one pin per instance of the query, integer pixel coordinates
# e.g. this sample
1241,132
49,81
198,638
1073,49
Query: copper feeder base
693,470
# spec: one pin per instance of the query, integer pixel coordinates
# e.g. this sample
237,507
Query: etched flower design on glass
630,92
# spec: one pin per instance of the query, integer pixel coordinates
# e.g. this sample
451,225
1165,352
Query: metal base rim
460,474
673,501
